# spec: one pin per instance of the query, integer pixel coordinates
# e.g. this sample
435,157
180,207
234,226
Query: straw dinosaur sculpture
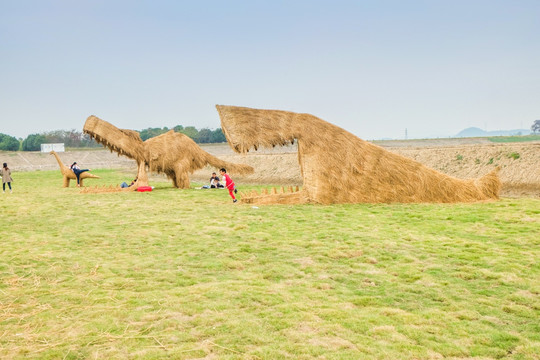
338,167
173,154
68,174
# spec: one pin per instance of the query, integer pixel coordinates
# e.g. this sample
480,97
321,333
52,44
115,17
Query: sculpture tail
87,175
239,169
490,184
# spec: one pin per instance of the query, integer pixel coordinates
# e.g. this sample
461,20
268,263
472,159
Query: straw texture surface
173,154
339,167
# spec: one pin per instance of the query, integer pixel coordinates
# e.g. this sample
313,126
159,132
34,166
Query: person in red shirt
229,184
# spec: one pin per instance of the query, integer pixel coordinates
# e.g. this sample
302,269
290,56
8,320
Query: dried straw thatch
68,174
173,154
106,189
338,167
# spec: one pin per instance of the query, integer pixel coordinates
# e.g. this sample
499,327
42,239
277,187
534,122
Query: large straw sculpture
173,154
338,167
68,174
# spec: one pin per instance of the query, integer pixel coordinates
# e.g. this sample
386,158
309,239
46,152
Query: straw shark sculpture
173,154
338,167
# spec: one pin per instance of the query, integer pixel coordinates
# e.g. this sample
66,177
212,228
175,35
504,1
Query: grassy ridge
187,274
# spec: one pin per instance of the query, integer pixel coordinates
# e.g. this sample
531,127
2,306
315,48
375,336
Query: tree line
77,139
203,136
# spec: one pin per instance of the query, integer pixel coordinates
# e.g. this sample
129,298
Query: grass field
186,274
510,139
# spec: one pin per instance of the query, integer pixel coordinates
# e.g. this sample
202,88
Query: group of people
6,178
215,183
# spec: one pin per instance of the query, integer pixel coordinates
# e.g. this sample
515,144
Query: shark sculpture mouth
173,154
122,141
339,167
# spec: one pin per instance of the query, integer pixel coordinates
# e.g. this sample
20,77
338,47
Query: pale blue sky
374,68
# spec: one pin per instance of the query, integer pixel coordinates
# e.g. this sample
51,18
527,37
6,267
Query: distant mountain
477,132
472,132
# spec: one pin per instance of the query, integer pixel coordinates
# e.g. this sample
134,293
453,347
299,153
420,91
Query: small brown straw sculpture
173,154
68,174
338,167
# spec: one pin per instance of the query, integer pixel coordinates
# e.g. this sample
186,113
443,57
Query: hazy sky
372,67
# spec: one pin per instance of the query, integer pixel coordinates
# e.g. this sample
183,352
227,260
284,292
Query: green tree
87,141
192,132
205,136
70,138
9,143
202,136
152,132
535,126
33,142
218,136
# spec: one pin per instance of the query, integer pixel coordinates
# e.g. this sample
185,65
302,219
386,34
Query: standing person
77,170
229,184
6,178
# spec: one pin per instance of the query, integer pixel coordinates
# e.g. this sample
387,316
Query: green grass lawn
187,274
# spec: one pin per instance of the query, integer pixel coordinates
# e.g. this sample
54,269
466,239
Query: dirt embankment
519,162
